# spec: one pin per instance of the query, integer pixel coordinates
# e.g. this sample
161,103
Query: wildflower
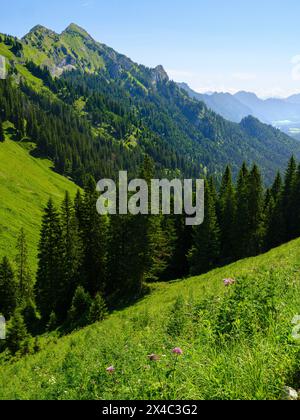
177,351
228,282
154,357
110,369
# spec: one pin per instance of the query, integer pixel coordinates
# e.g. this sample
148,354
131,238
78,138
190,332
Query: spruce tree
8,289
295,203
287,199
276,188
49,288
98,309
93,232
205,252
71,254
241,230
123,258
275,223
255,213
227,214
23,273
18,338
1,132
80,307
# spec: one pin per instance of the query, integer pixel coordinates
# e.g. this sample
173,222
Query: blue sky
218,45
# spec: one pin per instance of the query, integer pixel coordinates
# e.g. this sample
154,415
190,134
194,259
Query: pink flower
110,369
228,282
177,351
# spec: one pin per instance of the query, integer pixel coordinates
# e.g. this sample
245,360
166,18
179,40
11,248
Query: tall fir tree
241,231
1,132
71,253
255,213
295,203
93,230
227,215
275,223
24,276
8,289
287,199
49,284
205,252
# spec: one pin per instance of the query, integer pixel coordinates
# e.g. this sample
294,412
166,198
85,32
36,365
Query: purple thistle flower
177,351
228,282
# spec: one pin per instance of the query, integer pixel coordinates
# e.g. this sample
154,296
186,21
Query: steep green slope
237,341
26,183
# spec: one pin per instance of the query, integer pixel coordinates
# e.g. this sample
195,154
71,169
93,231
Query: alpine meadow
131,304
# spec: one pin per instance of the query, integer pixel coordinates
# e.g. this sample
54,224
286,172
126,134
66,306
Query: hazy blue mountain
281,113
221,103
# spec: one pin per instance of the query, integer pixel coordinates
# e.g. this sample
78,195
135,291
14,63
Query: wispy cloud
244,76
87,3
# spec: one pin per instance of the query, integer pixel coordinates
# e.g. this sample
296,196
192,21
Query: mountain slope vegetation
26,183
127,110
236,341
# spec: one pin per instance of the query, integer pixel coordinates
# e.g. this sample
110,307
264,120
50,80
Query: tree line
88,262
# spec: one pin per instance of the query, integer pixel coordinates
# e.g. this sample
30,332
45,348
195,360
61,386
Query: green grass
26,183
237,342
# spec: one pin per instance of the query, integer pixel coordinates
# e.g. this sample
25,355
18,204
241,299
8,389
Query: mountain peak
160,74
40,29
74,29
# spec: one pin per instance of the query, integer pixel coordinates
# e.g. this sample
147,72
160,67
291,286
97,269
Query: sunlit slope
255,361
26,183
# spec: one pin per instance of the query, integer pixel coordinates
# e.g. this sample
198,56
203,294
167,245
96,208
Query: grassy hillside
237,341
26,183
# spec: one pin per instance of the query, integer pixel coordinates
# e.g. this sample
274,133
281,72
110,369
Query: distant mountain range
281,113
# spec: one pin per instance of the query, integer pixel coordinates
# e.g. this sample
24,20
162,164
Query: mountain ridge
156,117
282,113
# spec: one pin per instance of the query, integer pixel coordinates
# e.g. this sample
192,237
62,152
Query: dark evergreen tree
255,213
1,132
80,308
18,338
242,214
287,199
295,204
98,309
205,252
23,273
8,289
71,254
275,223
227,216
49,284
93,230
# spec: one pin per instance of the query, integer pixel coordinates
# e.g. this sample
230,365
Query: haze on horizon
241,45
